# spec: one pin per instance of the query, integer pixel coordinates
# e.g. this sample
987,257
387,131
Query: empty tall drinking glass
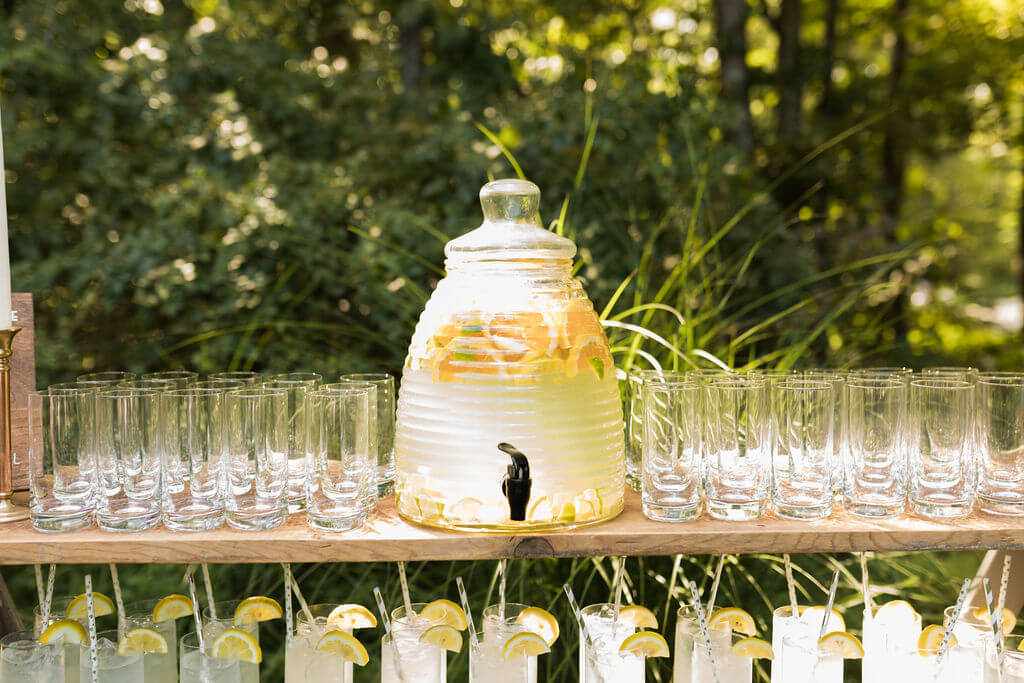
183,378
876,457
257,458
341,470
671,449
61,459
633,416
105,378
940,440
802,449
738,447
128,459
1000,436
297,385
385,438
245,376
194,472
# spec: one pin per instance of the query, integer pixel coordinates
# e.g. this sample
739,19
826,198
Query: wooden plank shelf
387,537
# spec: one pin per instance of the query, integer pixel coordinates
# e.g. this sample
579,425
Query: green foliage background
234,185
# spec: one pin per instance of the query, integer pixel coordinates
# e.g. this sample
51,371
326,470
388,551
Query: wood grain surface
386,537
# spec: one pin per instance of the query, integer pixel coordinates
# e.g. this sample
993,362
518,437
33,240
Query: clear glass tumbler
876,454
805,663
199,667
297,385
940,437
214,626
837,380
245,376
633,418
159,667
128,458
802,411
671,447
417,661
385,427
606,633
257,458
111,666
1000,435
341,472
1013,661
62,471
105,378
194,473
738,437
23,659
183,378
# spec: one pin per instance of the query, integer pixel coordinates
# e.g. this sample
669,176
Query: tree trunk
894,153
9,619
790,79
410,19
829,58
731,32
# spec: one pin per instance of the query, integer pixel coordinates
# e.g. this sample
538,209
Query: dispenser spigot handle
516,483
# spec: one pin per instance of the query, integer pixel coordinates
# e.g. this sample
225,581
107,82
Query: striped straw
714,584
385,620
705,634
196,615
209,590
94,662
302,600
38,570
289,631
1004,583
464,599
953,619
828,605
865,584
997,631
576,612
617,601
122,620
793,607
50,576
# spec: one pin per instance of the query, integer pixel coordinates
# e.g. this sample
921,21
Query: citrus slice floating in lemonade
931,638
343,645
589,355
257,608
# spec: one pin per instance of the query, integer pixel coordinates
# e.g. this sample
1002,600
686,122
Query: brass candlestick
9,512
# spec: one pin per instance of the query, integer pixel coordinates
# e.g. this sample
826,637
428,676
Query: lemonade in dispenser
509,415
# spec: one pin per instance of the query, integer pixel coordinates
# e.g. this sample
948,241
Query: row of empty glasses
943,441
131,452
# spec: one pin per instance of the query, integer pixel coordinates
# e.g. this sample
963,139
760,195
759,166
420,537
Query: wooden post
10,620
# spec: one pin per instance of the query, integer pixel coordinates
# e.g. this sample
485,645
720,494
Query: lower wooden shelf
387,537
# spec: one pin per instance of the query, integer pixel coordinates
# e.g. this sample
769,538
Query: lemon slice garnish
524,644
68,629
735,618
754,648
443,636
841,643
645,644
897,606
1007,624
172,607
237,644
931,638
257,608
79,609
142,641
351,617
445,612
638,616
541,622
816,613
566,513
344,645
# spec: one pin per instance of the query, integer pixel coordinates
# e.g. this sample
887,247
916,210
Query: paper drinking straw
617,602
90,606
502,570
705,633
404,581
51,574
997,631
209,590
953,619
464,599
302,600
793,607
584,631
676,565
714,584
385,620
828,605
196,616
122,620
865,584
288,624
1004,582
38,570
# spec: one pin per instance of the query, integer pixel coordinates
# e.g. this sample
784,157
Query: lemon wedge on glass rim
735,618
344,645
541,622
69,630
841,643
524,644
172,607
142,641
645,644
638,616
445,612
351,617
257,608
78,608
443,636
754,648
237,644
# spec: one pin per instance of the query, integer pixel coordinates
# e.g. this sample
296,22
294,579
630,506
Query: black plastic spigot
517,483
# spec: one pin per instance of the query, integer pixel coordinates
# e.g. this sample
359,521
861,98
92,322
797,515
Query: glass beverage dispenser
509,415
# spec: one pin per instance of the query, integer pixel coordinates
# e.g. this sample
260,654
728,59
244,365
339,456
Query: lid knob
510,200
